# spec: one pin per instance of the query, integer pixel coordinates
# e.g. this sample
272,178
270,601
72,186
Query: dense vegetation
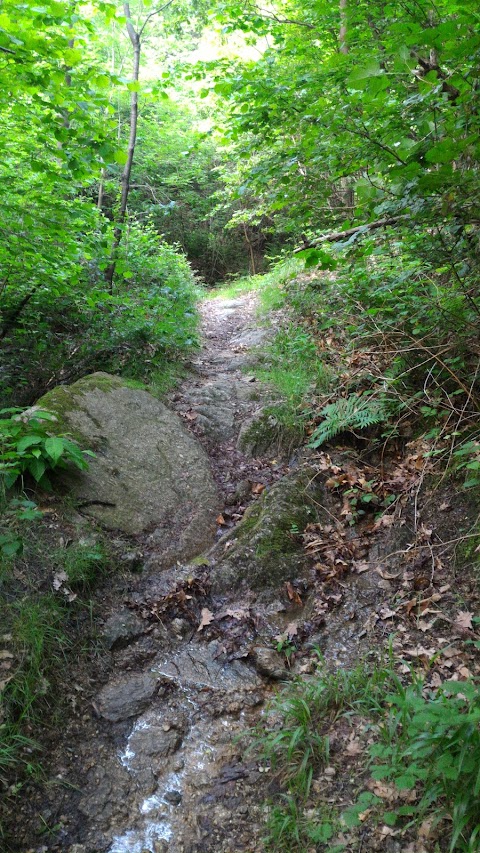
134,170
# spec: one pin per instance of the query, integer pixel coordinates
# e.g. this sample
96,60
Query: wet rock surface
122,627
127,696
264,549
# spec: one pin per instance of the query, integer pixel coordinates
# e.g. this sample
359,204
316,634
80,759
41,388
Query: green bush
431,741
148,319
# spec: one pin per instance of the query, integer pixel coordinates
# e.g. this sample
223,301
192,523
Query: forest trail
148,761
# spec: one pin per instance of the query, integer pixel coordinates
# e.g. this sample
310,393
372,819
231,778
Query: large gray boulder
149,475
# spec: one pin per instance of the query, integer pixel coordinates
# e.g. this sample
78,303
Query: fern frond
357,411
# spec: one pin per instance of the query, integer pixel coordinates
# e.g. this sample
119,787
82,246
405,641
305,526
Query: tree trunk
127,170
342,35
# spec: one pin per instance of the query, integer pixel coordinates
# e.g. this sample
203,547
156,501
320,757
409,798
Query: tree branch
335,236
152,15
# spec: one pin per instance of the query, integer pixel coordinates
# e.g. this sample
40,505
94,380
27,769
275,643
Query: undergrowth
395,331
425,742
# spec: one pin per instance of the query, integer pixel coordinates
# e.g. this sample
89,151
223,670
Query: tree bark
127,170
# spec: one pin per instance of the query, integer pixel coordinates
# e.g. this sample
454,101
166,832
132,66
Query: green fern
357,411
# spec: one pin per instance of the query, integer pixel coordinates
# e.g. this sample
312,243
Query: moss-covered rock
265,549
149,474
272,429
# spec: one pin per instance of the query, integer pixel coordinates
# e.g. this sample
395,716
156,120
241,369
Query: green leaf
55,448
37,468
27,441
359,78
120,156
442,152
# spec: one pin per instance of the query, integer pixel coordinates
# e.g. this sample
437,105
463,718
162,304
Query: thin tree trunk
127,170
342,35
253,270
101,189
10,320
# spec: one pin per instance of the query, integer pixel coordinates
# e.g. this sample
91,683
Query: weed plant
425,741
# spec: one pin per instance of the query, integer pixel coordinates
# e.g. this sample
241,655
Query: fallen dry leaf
386,613
206,618
5,654
220,519
293,594
463,620
59,579
237,614
258,488
354,747
291,630
361,566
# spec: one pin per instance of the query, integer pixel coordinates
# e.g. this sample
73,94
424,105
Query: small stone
132,560
160,846
122,627
269,663
173,797
180,627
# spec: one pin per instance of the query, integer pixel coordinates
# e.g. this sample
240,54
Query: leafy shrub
149,318
432,741
26,447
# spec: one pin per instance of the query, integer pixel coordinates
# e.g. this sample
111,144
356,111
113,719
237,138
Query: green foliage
423,739
296,746
466,458
150,318
294,365
82,563
432,740
27,448
356,412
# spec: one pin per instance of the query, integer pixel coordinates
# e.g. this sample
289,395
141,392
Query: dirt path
146,760
221,395
146,757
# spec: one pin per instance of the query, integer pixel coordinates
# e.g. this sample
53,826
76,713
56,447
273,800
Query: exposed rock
173,797
251,338
198,666
149,473
122,627
153,742
267,432
241,493
107,789
269,663
128,696
214,405
264,550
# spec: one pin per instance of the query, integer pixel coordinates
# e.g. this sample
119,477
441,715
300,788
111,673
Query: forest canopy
139,138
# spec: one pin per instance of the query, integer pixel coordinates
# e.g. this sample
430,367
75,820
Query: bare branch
336,236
